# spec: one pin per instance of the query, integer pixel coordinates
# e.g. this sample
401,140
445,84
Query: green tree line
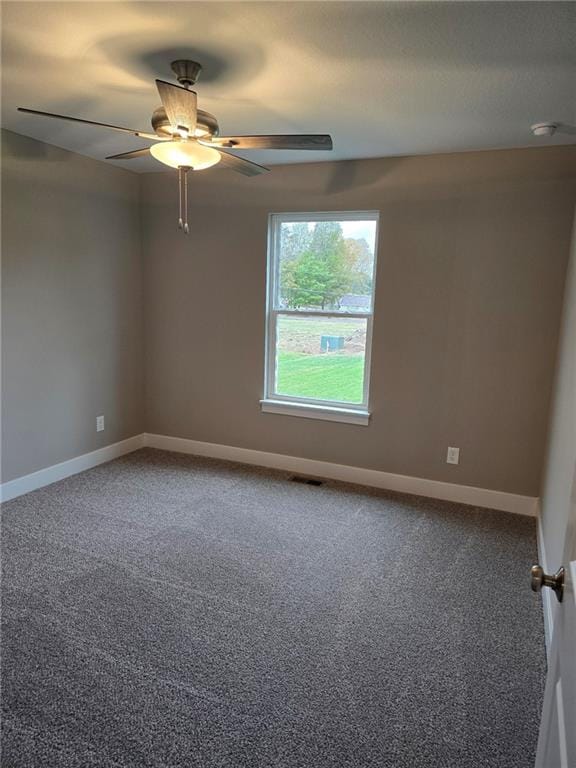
320,265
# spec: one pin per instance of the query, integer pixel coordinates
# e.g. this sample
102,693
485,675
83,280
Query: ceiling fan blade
302,141
246,167
130,155
141,134
180,105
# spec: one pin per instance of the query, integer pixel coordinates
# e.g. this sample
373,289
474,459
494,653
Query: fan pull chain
180,175
186,230
183,198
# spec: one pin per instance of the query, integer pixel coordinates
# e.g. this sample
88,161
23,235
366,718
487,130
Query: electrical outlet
453,456
99,423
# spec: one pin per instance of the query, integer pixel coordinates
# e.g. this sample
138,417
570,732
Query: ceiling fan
187,138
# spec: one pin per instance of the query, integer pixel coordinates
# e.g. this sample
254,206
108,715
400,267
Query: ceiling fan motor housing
206,123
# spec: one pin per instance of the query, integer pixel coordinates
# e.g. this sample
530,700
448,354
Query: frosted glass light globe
186,153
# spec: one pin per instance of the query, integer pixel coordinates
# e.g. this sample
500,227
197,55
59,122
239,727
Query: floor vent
305,480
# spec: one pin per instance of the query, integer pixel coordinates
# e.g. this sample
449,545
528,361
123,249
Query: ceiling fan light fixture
188,138
187,154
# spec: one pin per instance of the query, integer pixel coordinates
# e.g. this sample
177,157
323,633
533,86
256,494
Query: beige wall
472,256
561,450
473,251
72,343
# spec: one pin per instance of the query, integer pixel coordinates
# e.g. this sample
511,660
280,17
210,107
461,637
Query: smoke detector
544,129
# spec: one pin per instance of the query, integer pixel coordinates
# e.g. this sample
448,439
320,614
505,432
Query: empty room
288,407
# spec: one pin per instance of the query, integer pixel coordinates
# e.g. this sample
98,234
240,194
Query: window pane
326,265
321,358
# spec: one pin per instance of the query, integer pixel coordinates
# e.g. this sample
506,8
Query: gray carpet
164,610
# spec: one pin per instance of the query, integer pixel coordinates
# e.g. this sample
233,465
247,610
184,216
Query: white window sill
308,411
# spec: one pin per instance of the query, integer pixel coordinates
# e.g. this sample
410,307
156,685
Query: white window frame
274,402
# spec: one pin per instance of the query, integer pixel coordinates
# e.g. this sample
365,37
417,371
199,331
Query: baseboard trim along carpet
21,485
419,486
435,489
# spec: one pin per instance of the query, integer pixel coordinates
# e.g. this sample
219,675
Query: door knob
539,579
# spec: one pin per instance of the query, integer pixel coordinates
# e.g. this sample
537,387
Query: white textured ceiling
384,78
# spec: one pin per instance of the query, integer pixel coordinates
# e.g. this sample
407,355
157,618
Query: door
557,737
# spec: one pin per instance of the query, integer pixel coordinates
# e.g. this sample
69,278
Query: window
321,270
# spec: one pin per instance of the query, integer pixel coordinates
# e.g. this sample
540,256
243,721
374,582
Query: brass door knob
539,579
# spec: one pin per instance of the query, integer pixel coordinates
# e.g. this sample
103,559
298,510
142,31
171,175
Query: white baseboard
547,603
27,483
464,494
